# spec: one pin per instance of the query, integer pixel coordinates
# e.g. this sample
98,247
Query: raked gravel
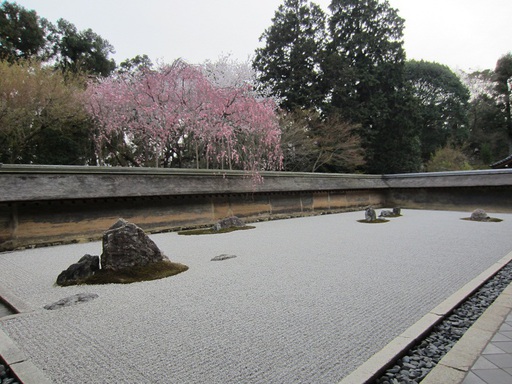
306,300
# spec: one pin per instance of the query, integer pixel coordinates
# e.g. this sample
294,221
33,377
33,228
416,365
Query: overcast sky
463,34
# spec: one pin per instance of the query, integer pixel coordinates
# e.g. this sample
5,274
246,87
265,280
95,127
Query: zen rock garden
129,255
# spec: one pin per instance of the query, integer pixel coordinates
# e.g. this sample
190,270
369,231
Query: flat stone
71,300
223,257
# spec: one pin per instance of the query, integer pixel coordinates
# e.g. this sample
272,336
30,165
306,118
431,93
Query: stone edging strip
454,366
22,368
378,363
13,302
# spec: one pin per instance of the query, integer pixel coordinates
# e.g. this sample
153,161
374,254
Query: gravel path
306,300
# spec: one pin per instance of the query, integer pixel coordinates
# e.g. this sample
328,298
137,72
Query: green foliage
81,51
448,158
42,120
504,89
488,136
366,58
289,63
138,63
22,33
442,105
364,70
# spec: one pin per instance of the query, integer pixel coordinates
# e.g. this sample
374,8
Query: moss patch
489,220
210,231
149,272
378,221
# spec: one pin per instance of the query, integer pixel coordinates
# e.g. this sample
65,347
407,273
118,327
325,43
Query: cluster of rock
6,376
371,216
125,245
393,213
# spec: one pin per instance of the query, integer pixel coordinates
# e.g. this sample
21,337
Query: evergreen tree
22,33
365,73
81,51
290,61
503,73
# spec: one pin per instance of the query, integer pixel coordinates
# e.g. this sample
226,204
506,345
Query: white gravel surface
306,300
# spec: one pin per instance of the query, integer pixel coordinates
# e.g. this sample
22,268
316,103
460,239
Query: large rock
479,215
125,245
370,215
78,272
228,222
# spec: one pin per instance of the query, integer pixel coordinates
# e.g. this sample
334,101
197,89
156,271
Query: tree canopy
442,103
42,120
25,35
290,62
22,33
176,116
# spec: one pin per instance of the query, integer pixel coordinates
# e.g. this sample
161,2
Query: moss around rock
153,271
376,221
488,220
481,216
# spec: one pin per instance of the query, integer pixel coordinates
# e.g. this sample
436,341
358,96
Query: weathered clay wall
46,205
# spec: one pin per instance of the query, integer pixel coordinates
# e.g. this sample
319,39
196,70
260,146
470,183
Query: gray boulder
386,213
71,300
228,222
370,215
78,272
125,245
479,215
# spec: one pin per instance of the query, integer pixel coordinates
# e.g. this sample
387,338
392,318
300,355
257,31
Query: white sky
463,34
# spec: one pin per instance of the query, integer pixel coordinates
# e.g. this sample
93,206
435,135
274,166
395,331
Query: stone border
455,365
13,302
378,363
21,367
